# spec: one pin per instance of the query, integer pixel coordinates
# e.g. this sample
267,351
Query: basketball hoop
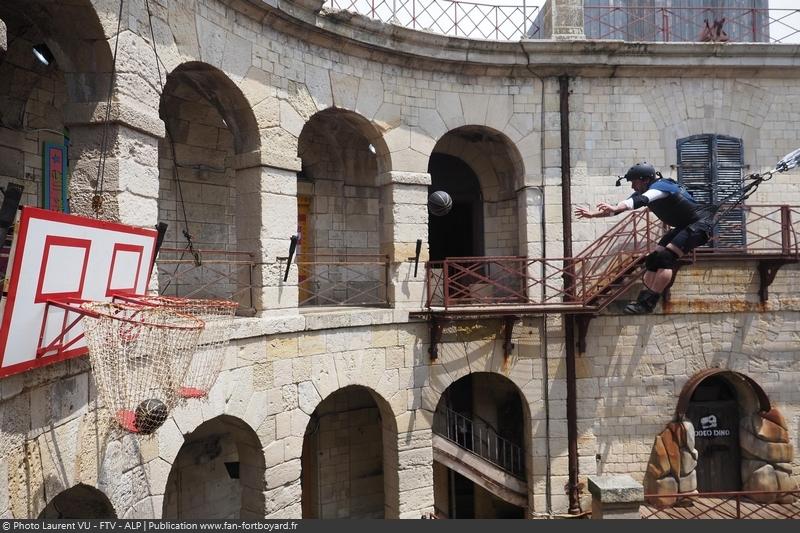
209,357
139,355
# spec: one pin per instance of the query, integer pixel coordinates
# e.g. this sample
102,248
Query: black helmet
642,170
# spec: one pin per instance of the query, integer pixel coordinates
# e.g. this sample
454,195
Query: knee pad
660,259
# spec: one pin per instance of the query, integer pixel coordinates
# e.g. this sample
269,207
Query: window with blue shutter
710,167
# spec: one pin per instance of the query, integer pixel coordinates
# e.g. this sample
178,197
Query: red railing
602,271
451,17
768,230
578,281
736,505
687,24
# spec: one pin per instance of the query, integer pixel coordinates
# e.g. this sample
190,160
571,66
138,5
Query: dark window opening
460,232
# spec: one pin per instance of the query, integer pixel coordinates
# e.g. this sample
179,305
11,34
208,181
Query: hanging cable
171,141
97,199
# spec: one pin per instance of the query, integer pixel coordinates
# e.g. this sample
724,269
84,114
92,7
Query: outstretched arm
603,210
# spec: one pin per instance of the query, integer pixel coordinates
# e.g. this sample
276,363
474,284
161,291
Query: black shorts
687,238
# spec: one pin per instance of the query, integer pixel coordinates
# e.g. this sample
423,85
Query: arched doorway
202,196
218,473
742,439
79,502
340,217
484,415
481,170
714,412
349,459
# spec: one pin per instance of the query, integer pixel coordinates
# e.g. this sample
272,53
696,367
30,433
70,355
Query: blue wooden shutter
710,167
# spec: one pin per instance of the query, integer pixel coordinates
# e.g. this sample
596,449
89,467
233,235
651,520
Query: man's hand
603,210
606,210
582,212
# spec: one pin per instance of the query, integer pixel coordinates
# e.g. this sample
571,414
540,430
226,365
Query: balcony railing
602,271
343,279
736,505
219,274
451,17
687,24
479,437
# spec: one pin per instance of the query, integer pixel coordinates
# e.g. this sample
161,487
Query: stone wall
22,148
282,366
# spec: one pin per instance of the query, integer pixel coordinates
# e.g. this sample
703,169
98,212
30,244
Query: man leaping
674,206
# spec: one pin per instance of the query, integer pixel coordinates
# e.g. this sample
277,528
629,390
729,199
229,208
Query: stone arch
216,88
219,472
752,395
79,502
38,102
340,212
485,413
361,424
206,185
491,154
492,211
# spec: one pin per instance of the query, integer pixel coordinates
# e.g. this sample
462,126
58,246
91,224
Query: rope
175,177
97,199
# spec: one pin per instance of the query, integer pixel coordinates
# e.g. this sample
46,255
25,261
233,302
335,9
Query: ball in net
150,415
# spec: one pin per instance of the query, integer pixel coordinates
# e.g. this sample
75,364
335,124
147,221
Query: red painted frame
27,214
65,242
121,247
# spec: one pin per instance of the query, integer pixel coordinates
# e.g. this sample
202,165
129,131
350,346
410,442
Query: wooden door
716,430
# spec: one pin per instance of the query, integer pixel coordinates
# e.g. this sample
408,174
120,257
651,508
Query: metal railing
475,281
479,437
736,505
343,279
219,274
602,271
451,17
688,24
768,229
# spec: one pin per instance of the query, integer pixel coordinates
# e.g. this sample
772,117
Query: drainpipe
569,320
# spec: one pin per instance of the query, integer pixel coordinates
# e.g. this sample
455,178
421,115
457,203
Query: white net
139,355
207,361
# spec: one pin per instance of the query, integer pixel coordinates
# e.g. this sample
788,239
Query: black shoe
644,304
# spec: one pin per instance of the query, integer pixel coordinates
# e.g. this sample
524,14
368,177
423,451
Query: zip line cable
736,198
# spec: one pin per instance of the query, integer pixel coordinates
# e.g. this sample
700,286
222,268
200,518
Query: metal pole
569,322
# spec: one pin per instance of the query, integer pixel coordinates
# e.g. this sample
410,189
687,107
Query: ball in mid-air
150,415
439,203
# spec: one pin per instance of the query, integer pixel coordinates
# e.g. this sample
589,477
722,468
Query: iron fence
479,437
450,17
688,24
603,270
475,281
343,280
737,505
214,274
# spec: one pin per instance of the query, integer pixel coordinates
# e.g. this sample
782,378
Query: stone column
404,205
414,475
615,497
266,219
130,178
566,19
